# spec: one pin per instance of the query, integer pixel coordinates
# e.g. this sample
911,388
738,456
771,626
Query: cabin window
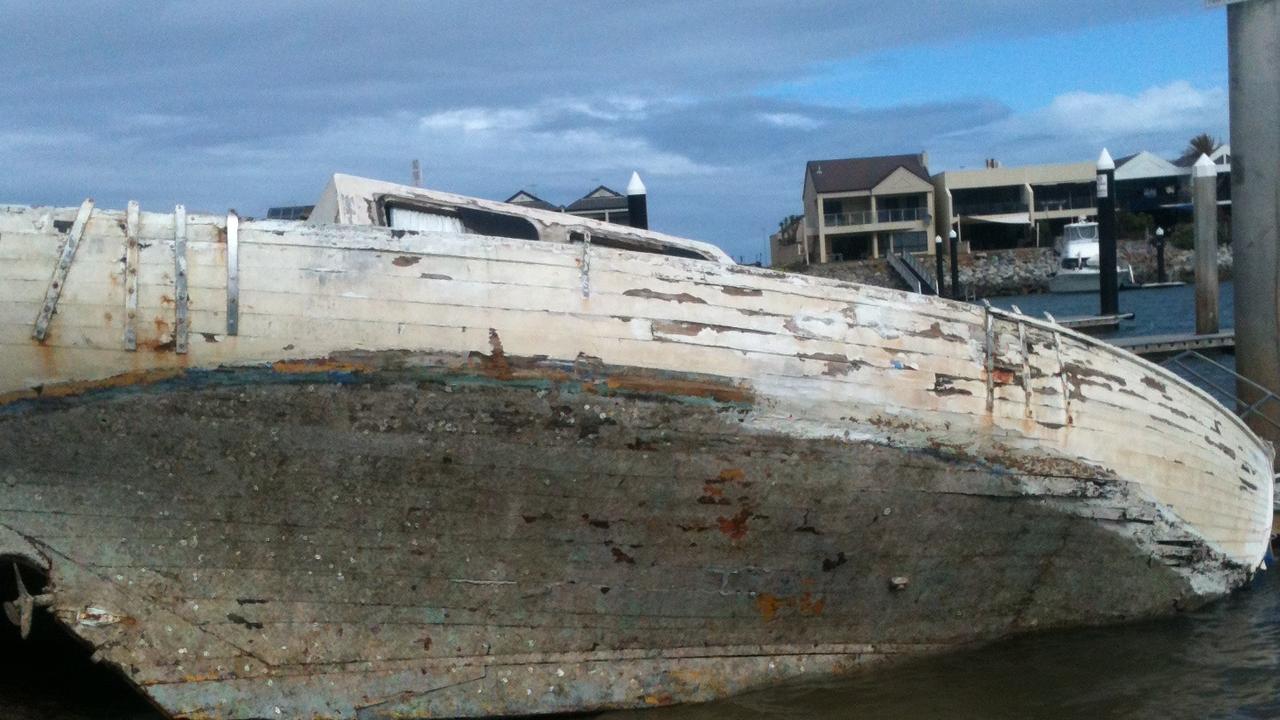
408,215
618,243
406,219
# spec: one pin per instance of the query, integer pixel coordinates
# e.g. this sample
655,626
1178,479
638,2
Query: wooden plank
180,295
131,277
60,271
233,273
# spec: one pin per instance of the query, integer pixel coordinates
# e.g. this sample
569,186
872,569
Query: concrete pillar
1253,59
875,236
1029,199
1108,282
822,230
954,251
1205,201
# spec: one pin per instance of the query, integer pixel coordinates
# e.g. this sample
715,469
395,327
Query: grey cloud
249,104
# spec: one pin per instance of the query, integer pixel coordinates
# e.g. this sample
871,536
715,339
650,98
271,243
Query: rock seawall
1022,271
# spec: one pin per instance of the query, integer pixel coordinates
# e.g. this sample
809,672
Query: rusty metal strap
180,294
131,276
233,273
60,271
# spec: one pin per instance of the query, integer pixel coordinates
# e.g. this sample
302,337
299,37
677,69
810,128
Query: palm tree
1202,144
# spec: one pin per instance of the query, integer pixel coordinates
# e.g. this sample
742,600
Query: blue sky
1025,72
718,104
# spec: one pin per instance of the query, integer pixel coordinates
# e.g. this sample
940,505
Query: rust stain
769,606
495,363
317,365
690,388
70,389
1001,376
735,528
669,297
166,300
406,260
730,475
107,316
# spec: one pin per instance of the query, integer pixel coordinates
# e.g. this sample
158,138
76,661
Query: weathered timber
456,473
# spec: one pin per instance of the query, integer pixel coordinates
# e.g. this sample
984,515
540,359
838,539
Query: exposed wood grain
60,271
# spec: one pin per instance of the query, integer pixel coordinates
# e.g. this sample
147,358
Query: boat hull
391,536
274,469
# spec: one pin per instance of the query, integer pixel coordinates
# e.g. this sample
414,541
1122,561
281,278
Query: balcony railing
866,217
1081,202
991,208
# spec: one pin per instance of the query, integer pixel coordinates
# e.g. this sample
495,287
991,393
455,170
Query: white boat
1078,269
427,455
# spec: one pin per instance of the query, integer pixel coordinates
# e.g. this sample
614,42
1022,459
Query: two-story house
857,208
998,207
601,204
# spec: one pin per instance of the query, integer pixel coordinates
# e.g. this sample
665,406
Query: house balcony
866,218
1075,202
1010,207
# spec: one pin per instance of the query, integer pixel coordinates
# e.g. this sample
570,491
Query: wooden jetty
1094,323
1154,345
433,456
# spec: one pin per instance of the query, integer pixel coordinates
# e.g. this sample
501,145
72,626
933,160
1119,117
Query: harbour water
1157,311
1222,661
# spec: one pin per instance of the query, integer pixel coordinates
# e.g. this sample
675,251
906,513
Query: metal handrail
922,272
1266,394
895,262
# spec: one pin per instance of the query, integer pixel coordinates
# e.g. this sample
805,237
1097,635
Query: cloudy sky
718,103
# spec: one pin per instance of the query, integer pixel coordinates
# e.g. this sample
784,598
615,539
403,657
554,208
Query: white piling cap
1105,162
1204,167
636,187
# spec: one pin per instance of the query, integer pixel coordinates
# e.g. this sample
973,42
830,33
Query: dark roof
861,173
611,200
1120,161
525,198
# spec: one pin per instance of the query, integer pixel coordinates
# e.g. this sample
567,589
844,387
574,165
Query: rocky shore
1023,271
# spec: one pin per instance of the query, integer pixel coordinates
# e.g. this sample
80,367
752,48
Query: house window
1149,193
912,242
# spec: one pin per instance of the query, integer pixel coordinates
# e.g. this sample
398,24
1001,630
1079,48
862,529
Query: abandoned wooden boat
426,455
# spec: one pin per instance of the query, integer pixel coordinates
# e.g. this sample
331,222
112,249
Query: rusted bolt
899,583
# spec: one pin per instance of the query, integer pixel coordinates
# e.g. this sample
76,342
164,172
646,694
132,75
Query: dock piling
1253,59
1205,192
1108,282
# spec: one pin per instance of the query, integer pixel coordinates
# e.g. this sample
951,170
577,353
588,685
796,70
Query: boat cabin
351,200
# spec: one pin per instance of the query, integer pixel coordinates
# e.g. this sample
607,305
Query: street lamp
1159,243
937,257
955,264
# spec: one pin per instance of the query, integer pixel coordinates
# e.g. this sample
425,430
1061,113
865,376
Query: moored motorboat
1078,269
427,455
